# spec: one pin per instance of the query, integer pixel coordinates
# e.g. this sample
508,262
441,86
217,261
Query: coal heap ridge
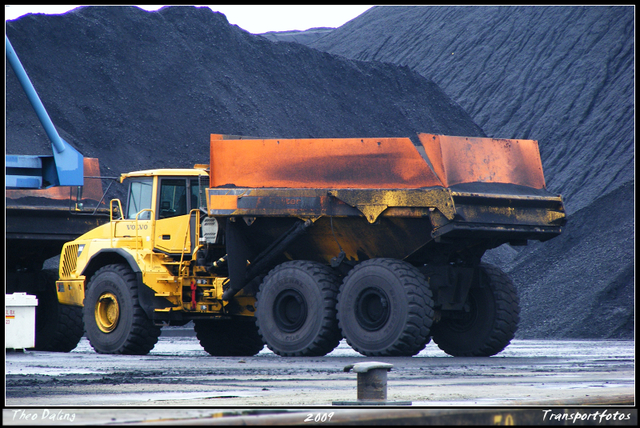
561,75
142,90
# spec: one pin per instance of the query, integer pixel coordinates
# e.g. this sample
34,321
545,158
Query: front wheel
490,319
114,320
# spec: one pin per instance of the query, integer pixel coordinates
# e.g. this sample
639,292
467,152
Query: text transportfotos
598,416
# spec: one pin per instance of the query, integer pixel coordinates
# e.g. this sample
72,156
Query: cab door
136,221
176,197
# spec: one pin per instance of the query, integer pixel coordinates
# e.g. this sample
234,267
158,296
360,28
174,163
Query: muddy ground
179,373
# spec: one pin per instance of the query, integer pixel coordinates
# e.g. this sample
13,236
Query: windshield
140,192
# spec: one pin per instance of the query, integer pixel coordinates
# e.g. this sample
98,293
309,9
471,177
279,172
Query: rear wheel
59,327
114,320
385,308
237,337
490,319
296,309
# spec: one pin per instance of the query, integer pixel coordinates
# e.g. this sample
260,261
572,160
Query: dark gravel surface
142,90
178,372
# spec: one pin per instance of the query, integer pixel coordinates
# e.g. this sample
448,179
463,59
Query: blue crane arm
66,167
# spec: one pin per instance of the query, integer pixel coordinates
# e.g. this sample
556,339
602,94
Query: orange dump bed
373,163
383,197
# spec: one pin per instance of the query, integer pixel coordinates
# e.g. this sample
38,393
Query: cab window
195,193
140,193
173,198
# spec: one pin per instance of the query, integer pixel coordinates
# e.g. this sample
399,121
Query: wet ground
178,383
178,372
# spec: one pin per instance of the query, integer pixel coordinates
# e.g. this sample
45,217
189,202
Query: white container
20,320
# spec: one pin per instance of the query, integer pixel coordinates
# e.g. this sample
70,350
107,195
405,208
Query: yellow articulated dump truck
299,243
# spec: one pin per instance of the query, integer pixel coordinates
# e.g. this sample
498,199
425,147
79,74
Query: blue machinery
64,168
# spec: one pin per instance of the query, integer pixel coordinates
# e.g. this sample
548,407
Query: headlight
80,248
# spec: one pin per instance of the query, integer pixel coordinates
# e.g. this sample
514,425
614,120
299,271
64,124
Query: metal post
372,384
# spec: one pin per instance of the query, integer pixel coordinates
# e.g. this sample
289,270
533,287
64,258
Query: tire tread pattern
59,327
416,334
144,333
65,335
236,337
507,308
506,321
329,337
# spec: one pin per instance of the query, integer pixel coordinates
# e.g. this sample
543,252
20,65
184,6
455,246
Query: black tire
491,322
237,337
296,309
114,321
59,328
385,308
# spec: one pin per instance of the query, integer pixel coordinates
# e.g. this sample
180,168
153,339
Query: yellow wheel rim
107,312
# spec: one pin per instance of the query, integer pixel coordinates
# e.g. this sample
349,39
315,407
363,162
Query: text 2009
319,417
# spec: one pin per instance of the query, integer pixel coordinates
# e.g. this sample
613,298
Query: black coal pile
144,90
580,284
563,76
141,90
304,37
